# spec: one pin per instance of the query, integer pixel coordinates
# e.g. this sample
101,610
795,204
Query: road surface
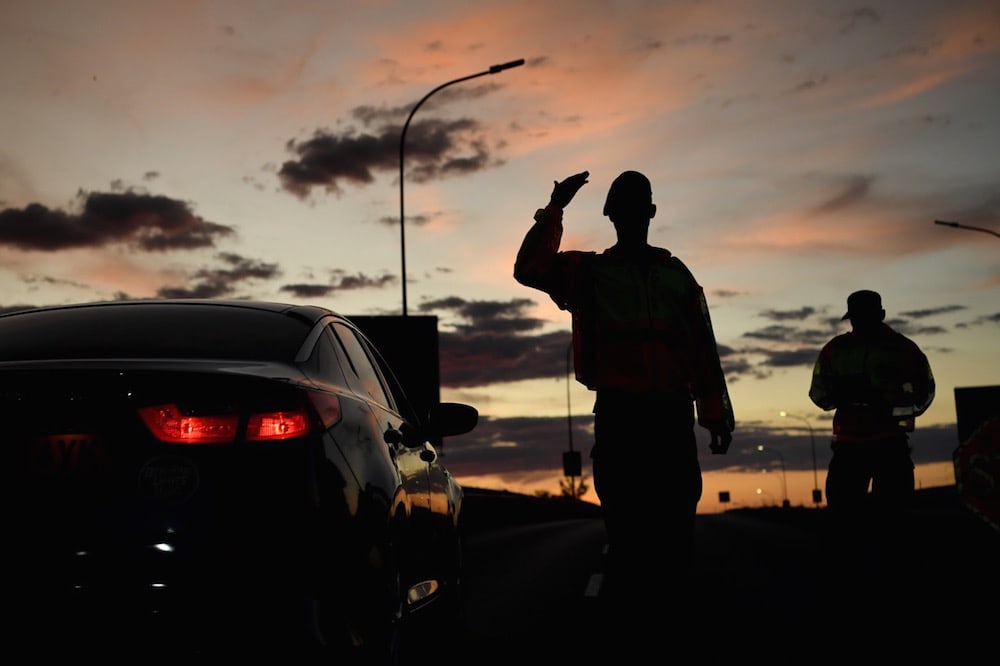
765,581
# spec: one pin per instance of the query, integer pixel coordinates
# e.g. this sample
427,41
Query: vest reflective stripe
613,309
630,329
878,384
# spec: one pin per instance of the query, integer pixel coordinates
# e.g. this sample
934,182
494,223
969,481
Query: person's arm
916,392
712,402
820,390
536,258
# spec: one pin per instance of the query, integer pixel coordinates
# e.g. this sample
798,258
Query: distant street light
402,139
784,479
817,493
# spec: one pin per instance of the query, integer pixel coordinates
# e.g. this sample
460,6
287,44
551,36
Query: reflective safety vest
878,383
640,324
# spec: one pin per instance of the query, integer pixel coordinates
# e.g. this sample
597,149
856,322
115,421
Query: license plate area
70,454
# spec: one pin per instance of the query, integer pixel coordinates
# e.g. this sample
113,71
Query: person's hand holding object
721,439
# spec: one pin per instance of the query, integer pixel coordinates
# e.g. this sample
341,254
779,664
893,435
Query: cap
863,302
630,190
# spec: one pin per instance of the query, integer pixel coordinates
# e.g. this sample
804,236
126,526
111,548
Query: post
572,463
402,142
817,494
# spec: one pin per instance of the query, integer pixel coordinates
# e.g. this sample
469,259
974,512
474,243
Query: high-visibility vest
878,383
640,325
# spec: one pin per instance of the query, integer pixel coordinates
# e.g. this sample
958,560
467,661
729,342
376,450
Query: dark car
187,476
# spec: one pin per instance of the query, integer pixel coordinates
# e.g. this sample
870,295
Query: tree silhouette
573,489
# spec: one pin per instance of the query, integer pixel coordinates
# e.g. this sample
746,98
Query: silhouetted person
878,381
643,341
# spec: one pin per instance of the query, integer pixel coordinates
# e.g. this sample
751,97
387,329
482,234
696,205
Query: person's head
864,309
630,205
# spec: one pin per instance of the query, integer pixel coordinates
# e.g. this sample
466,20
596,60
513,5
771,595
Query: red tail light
277,425
168,424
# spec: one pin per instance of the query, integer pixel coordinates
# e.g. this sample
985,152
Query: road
765,580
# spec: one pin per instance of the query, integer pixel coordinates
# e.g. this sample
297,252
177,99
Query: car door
368,379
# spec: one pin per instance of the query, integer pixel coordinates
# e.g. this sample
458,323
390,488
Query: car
200,476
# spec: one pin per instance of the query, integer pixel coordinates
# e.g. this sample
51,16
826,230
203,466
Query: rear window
151,331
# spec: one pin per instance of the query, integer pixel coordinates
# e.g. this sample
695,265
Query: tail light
168,423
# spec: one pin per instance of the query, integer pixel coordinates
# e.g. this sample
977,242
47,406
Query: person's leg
847,546
847,479
893,488
649,485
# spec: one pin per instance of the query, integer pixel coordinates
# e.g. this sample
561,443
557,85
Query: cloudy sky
798,150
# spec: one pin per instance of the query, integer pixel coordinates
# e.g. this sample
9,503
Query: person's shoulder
841,340
903,340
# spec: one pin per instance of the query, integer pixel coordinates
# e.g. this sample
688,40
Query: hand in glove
721,439
563,192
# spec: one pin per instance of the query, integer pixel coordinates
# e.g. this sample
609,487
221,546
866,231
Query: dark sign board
410,347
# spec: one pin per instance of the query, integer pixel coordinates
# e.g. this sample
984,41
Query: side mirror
452,418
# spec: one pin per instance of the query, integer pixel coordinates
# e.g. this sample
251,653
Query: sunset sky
798,150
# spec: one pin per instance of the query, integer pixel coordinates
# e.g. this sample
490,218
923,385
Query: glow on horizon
742,487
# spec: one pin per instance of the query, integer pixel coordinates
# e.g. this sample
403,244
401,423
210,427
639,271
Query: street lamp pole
784,479
817,493
402,142
966,226
572,463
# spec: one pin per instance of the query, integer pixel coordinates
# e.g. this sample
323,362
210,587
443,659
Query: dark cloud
486,358
308,290
805,356
341,282
391,221
144,222
784,315
789,334
853,191
483,317
780,333
519,447
485,343
326,161
221,282
435,148
930,312
989,319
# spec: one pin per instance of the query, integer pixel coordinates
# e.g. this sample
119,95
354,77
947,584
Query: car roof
160,328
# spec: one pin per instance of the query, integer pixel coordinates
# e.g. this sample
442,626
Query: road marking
593,589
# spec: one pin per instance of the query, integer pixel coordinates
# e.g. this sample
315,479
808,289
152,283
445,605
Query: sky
798,150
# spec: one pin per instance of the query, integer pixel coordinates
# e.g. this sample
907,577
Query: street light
402,139
817,493
784,479
966,226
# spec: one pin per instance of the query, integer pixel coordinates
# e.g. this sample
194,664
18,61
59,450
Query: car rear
133,491
172,497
